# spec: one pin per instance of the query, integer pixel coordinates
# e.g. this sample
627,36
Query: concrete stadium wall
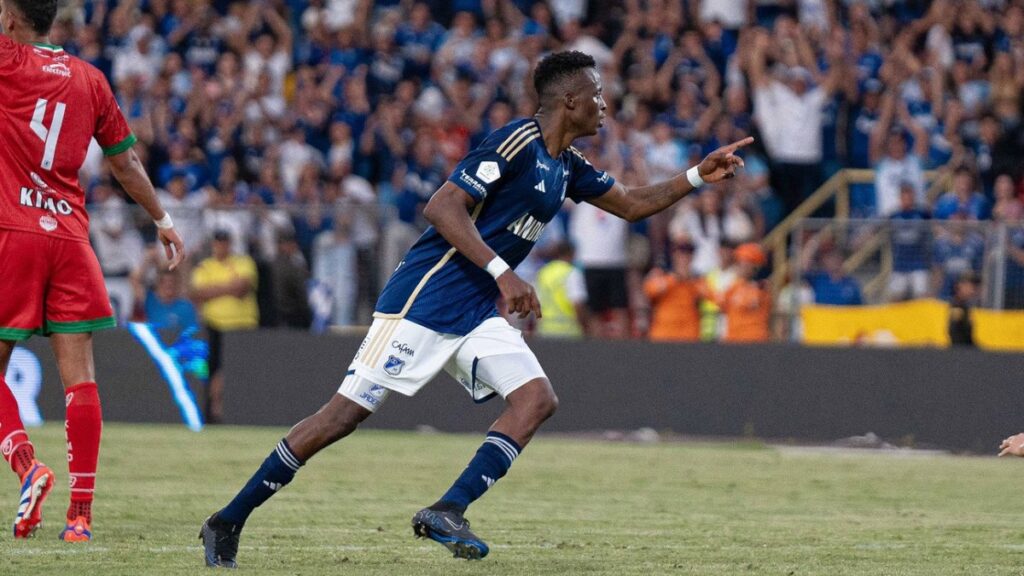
962,399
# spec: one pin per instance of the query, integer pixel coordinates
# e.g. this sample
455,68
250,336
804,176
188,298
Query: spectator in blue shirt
165,306
963,199
958,250
911,239
832,286
1014,295
418,39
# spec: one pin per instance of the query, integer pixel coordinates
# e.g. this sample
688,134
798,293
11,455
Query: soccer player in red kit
51,106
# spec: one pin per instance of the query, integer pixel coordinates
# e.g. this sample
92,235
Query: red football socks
83,426
14,444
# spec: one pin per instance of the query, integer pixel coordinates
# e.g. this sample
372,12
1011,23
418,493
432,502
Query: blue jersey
518,188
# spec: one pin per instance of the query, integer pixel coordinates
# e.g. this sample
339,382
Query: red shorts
50,285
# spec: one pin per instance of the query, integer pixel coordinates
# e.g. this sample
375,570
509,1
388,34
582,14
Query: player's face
592,104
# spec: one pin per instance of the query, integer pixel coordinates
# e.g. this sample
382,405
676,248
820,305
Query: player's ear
570,100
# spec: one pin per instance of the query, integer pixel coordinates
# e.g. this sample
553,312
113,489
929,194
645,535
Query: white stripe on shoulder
512,153
508,141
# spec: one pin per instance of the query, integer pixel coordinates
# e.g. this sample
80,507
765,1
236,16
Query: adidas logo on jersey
540,187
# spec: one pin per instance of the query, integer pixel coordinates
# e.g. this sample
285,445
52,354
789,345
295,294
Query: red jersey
51,106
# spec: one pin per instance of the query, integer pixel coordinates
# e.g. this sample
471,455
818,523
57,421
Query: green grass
568,507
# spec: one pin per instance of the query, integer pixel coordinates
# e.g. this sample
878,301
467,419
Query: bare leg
338,418
527,408
215,398
74,358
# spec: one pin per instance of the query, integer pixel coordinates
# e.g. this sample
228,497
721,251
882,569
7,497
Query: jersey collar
50,47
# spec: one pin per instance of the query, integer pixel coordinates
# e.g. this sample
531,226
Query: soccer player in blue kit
438,311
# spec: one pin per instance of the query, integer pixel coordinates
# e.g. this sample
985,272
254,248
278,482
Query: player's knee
341,417
549,405
543,405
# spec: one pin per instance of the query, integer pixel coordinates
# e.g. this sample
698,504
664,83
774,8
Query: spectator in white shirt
118,246
894,166
789,113
601,242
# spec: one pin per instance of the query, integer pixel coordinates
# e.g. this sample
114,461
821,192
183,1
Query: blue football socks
491,462
276,472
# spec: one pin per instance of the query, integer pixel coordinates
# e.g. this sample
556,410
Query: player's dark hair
558,66
39,14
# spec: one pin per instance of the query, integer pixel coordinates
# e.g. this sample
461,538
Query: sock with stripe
276,472
492,460
14,444
83,426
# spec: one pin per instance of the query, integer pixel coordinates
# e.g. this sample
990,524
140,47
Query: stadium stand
333,121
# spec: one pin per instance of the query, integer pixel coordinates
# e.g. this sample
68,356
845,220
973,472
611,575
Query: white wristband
165,222
693,175
497,267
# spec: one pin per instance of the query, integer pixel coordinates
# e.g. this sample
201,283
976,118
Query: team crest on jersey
47,222
488,171
374,395
393,365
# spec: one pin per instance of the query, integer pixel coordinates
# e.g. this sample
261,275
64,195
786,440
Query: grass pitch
567,507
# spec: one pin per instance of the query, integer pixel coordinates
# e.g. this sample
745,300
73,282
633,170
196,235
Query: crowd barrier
916,323
959,399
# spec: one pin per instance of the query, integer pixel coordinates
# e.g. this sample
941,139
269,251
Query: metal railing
835,190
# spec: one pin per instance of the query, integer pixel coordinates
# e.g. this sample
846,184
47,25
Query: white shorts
915,283
403,356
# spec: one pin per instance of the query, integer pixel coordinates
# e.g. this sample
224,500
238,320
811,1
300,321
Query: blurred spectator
957,250
894,166
675,298
716,283
911,241
166,306
1008,207
335,267
289,279
118,246
186,210
707,225
601,243
998,150
223,215
747,306
224,286
965,295
964,199
794,295
1014,289
789,111
832,286
563,296
162,299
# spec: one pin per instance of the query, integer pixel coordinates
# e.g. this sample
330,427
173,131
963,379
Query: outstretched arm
635,204
449,212
128,170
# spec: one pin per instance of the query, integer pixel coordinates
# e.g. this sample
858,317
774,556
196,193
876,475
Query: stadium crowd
302,138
